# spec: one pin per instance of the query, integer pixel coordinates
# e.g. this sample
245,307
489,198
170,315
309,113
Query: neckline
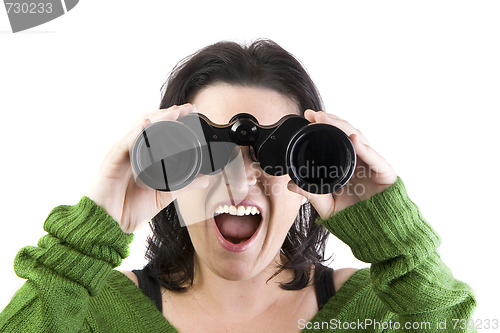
143,304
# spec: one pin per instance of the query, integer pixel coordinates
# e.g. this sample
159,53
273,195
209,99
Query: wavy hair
263,63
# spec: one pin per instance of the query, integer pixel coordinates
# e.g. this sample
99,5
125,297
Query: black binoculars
168,155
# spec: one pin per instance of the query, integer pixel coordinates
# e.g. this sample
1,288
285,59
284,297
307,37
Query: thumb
323,203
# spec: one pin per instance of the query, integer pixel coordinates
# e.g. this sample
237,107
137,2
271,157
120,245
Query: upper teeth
238,211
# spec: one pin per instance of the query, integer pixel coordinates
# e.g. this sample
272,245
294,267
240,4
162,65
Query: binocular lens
166,156
321,159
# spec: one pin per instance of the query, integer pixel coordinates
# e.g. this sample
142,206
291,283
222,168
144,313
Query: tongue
238,227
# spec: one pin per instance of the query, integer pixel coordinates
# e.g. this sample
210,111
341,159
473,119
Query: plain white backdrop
420,79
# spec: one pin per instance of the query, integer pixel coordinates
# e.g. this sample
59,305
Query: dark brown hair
261,64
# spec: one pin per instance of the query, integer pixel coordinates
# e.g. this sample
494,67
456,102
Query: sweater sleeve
66,269
407,273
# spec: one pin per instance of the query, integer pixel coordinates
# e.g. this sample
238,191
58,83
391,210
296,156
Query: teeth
237,211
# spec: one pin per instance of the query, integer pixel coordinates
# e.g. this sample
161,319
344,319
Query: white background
420,79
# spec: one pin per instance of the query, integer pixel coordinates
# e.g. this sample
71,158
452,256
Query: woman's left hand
372,174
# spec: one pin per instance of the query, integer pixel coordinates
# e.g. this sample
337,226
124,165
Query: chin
231,266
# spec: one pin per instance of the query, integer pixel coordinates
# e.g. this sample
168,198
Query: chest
284,316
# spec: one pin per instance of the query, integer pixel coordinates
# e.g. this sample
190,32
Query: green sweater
72,285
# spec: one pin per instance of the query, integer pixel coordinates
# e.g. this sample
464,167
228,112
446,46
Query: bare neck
235,299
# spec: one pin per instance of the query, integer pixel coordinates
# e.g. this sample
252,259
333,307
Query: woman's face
230,238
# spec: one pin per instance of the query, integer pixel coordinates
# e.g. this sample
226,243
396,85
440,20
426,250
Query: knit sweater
72,285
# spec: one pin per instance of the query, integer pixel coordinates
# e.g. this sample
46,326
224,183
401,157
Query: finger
119,152
126,144
328,118
172,113
384,172
323,203
147,119
343,124
309,115
186,109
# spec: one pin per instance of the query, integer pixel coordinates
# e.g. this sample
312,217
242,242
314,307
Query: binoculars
168,155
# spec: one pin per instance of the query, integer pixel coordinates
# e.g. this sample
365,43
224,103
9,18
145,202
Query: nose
242,172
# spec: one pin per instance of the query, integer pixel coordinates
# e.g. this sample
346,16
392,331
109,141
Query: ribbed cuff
384,226
84,244
89,229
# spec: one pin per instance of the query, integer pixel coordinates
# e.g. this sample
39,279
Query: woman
271,278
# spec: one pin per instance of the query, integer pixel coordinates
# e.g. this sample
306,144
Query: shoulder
355,297
131,276
340,276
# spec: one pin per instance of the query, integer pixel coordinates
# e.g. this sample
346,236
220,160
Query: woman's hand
114,187
372,174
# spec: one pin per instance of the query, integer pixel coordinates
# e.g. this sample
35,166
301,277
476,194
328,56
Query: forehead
220,102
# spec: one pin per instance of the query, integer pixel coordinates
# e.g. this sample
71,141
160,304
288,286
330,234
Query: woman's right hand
114,187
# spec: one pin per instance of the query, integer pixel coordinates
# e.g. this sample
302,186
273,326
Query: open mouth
237,226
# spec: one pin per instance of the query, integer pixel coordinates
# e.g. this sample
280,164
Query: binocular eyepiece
168,155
